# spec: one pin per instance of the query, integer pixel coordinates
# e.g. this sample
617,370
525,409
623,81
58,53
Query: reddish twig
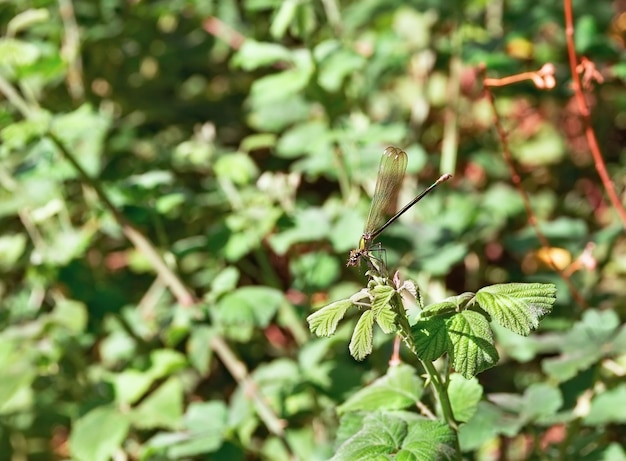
224,32
515,177
589,72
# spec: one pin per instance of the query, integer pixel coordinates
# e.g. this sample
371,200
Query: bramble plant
457,328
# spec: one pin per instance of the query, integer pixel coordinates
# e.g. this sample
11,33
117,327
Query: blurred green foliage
242,138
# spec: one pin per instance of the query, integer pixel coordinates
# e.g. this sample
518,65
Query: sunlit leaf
517,306
398,389
471,343
98,434
431,338
324,322
361,342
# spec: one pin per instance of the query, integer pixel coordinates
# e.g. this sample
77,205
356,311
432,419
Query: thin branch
517,181
585,115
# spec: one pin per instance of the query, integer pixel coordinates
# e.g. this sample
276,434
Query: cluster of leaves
239,137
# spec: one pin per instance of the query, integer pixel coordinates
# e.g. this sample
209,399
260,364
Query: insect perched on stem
390,174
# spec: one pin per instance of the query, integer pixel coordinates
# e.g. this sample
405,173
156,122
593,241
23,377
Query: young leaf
398,389
431,338
361,342
471,343
386,320
382,296
385,316
324,322
517,306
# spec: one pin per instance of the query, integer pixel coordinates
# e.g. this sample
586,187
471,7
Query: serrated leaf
382,296
361,342
432,440
465,394
386,320
398,389
471,343
517,306
430,338
324,322
385,316
444,307
380,434
398,435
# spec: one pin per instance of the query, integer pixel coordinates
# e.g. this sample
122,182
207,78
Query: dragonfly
390,175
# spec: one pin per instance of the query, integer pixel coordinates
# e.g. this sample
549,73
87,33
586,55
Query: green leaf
448,305
380,434
25,19
283,18
385,316
272,88
608,407
339,65
253,55
584,344
252,306
472,348
98,434
386,320
199,349
237,167
83,132
324,322
517,306
16,379
361,342
70,314
401,436
431,338
487,422
398,389
162,408
205,425
383,294
540,400
304,139
17,53
11,248
432,440
465,394
613,452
